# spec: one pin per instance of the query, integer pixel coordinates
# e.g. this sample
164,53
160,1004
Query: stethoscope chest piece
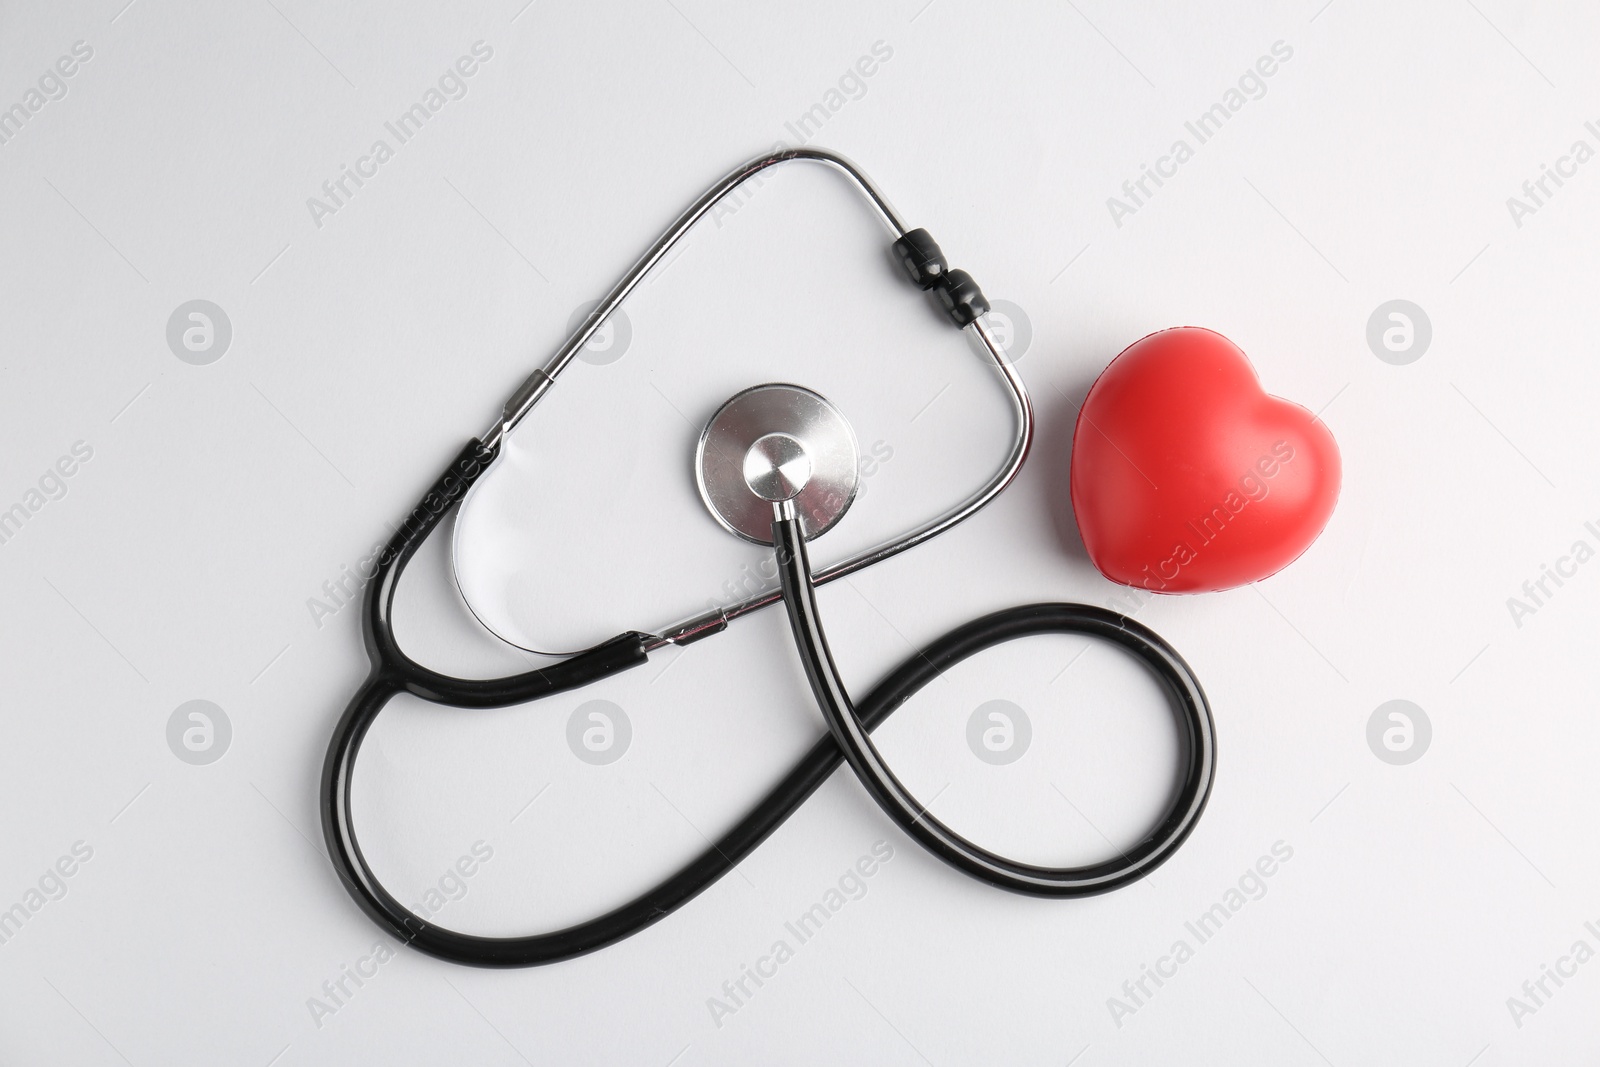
774,442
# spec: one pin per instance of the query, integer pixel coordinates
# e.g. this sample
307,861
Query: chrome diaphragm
777,442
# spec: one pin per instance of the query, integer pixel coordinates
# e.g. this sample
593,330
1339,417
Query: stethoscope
777,464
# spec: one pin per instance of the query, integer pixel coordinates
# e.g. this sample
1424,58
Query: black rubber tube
851,731
393,672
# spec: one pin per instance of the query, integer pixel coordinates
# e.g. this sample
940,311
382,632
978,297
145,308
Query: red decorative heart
1187,477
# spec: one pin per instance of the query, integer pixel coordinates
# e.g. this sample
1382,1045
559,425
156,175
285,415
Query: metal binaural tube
522,401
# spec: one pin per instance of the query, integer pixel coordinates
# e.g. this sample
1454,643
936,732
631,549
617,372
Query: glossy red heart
1187,477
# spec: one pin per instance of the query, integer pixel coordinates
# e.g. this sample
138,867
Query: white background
180,563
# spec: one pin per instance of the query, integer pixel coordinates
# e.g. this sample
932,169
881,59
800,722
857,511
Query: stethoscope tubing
393,672
852,732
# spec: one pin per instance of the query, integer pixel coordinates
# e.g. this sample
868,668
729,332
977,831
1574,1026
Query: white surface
220,498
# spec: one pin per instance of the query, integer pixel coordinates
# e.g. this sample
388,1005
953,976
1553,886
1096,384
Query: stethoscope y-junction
777,464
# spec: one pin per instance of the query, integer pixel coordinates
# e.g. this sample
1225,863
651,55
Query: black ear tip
962,299
921,257
925,265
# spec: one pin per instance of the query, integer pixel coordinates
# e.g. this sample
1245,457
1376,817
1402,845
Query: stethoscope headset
777,465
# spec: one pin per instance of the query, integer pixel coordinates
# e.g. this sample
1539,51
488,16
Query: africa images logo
1253,486
51,485
49,887
51,86
1539,590
1252,85
737,992
1251,885
452,85
1537,192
